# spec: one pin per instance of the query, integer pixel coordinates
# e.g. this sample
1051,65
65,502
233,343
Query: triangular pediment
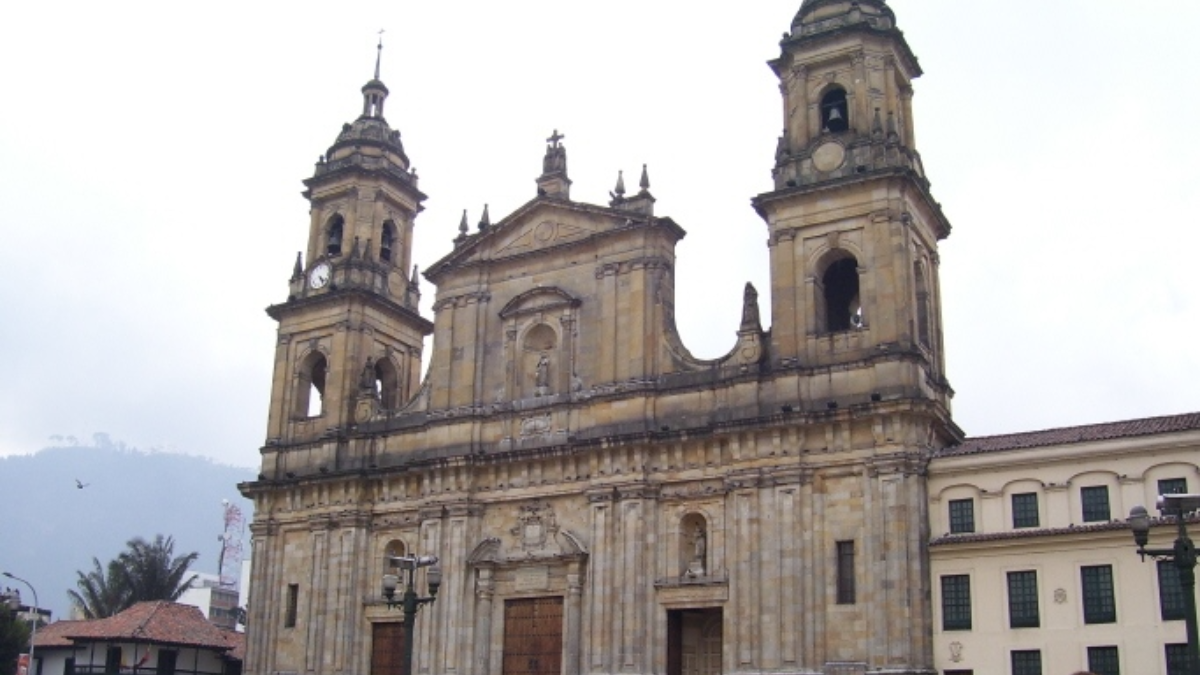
540,233
538,225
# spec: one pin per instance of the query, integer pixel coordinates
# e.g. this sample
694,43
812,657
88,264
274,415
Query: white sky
151,156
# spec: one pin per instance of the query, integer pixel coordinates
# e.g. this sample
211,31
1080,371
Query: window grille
956,602
1025,510
1027,662
1170,593
1177,659
1095,504
962,516
1099,601
1023,600
1104,661
1172,486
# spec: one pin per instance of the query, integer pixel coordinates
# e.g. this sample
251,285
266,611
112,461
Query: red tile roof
1080,434
158,622
237,644
54,635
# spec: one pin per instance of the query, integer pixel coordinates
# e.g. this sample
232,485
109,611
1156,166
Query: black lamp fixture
1183,554
410,602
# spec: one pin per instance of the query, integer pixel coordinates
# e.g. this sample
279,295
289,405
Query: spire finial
378,53
618,192
644,183
486,221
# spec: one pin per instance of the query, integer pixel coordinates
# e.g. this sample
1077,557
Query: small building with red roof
150,637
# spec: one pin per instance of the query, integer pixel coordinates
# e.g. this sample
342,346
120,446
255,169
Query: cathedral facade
600,500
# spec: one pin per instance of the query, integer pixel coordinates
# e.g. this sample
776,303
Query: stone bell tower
853,226
350,335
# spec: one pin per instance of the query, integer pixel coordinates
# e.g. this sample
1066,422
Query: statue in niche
541,376
366,379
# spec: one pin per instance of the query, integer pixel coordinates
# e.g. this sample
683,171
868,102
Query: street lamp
36,615
1183,554
410,602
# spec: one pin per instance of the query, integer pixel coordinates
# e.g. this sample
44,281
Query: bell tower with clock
350,335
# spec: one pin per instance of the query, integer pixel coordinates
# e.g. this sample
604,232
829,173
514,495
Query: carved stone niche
541,351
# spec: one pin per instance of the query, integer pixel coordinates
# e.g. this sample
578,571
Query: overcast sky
151,156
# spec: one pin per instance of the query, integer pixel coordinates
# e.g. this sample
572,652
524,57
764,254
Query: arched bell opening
387,241
835,113
310,386
839,307
333,235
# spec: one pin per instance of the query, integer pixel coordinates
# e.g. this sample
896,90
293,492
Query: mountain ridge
55,527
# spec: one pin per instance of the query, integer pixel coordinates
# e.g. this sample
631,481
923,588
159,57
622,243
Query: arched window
387,383
333,235
387,240
835,114
838,303
310,386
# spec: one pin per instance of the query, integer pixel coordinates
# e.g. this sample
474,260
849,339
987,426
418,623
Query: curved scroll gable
539,300
488,551
749,347
571,544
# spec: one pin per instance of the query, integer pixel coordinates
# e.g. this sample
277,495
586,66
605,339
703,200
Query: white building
1034,567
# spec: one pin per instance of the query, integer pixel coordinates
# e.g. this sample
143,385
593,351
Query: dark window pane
1104,661
293,598
1023,600
956,602
1172,486
962,516
1170,593
1025,510
1177,659
845,572
1095,504
1099,603
1027,662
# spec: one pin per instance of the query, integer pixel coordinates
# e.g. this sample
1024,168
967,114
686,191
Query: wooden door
533,630
387,648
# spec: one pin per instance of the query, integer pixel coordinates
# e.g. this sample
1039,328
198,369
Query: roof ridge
155,606
1089,425
1098,431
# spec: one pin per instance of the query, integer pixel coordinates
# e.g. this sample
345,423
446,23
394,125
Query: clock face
319,276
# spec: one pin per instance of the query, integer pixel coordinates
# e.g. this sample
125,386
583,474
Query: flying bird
81,485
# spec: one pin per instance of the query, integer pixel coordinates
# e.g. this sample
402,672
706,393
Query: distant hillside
53,528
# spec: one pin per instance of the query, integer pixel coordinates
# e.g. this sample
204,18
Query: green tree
101,591
14,639
143,571
152,571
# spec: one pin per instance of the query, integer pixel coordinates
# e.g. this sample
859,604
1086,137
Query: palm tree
144,571
101,592
152,572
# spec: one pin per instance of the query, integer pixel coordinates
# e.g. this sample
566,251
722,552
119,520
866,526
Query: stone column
601,605
485,590
574,618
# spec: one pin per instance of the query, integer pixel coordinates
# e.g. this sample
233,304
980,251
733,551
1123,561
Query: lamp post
410,602
36,615
1183,554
